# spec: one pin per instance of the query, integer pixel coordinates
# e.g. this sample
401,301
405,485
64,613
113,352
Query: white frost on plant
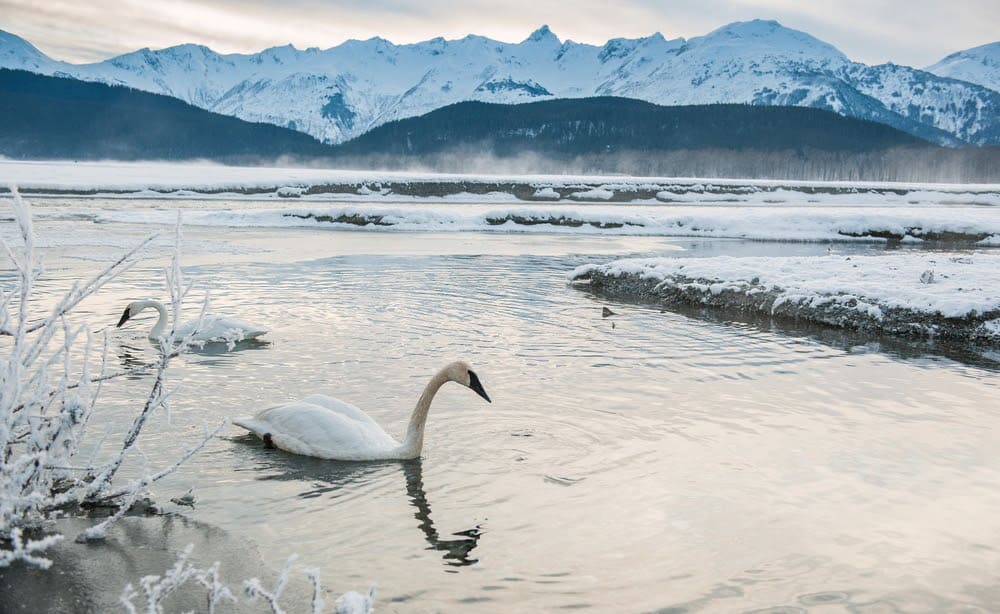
49,387
353,602
156,589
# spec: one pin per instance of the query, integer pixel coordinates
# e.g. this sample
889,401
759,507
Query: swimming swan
325,427
211,329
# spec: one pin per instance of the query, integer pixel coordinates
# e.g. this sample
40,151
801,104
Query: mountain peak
542,34
18,49
768,36
979,65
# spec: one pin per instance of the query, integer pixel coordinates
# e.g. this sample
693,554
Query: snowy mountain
342,92
980,65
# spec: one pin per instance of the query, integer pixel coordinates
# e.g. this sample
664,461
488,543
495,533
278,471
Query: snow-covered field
913,293
969,224
183,180
215,195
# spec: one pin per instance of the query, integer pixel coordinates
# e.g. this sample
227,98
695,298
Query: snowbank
164,180
934,295
970,225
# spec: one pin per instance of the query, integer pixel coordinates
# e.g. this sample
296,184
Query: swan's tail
251,425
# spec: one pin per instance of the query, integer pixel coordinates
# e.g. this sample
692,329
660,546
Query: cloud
917,32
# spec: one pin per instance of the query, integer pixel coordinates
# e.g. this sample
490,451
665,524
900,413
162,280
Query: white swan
325,427
211,328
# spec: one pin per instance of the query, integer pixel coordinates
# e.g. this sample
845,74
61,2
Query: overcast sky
911,32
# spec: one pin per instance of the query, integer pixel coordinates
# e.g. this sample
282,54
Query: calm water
668,463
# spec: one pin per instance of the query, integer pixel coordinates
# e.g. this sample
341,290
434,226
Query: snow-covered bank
969,225
182,180
923,295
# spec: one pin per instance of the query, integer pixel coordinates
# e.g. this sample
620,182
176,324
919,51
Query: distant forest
573,127
56,118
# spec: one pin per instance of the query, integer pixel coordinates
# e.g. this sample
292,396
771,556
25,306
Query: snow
962,285
755,223
746,209
375,81
594,194
159,177
980,65
546,193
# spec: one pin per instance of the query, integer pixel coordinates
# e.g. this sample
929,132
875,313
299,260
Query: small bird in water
607,312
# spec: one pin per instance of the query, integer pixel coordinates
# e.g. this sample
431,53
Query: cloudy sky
911,32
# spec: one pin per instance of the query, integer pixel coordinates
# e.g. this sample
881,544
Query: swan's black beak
477,386
124,319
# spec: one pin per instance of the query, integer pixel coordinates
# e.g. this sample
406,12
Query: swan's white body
329,428
210,329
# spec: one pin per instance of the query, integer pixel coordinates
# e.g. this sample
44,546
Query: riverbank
915,295
205,180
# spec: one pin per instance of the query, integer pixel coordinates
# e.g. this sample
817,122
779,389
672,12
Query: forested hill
54,118
573,127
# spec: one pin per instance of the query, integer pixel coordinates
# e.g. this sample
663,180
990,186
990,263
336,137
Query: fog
968,165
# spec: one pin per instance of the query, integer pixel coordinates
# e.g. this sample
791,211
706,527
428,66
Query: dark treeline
572,127
53,118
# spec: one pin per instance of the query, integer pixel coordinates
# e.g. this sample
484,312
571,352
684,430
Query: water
667,463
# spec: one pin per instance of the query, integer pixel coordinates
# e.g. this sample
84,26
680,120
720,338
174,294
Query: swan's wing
339,407
313,430
220,328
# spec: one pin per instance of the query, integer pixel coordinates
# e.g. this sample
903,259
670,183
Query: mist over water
669,461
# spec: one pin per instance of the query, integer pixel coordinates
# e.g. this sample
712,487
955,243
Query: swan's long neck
161,322
414,440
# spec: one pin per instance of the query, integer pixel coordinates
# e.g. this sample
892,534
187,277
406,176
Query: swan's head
133,309
126,315
461,373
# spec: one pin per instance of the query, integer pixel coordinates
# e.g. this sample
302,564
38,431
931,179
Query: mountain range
340,93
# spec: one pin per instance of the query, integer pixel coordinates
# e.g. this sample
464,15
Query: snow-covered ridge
915,294
979,65
341,92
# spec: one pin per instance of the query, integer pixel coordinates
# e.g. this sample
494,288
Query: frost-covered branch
51,375
156,589
25,551
254,589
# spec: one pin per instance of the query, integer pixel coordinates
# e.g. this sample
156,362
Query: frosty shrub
51,375
157,588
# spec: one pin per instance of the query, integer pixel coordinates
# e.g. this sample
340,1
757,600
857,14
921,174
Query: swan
329,428
210,329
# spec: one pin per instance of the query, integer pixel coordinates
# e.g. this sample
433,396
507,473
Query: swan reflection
332,478
456,550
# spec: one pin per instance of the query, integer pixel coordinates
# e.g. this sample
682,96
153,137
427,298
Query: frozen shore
944,296
190,180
